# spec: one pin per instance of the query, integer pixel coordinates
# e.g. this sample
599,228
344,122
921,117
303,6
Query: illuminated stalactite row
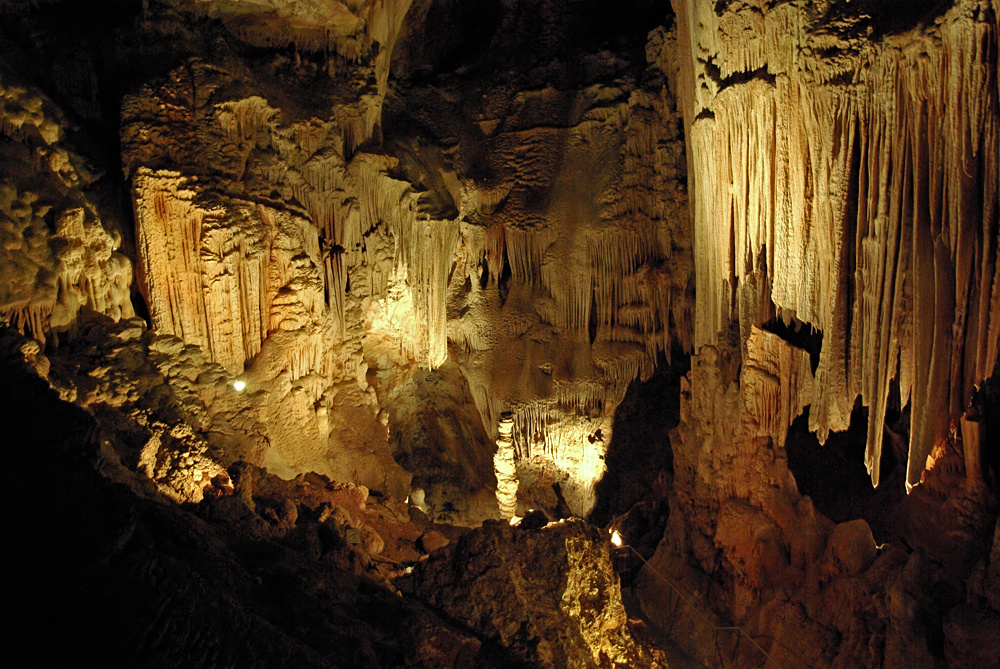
212,234
857,194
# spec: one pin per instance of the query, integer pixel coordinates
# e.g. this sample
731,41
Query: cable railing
716,629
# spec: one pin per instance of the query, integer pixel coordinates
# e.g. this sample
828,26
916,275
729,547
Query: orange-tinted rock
432,540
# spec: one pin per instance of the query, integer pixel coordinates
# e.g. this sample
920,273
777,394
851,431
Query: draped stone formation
57,257
543,233
849,184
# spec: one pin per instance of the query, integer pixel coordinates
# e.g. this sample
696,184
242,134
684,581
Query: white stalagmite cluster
857,194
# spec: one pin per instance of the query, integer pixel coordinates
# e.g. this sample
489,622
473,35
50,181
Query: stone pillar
503,465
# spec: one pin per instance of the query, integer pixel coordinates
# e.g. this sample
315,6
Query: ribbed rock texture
848,183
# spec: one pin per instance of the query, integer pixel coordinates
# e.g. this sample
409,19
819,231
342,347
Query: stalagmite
503,465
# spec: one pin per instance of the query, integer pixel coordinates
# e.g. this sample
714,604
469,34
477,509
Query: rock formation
842,189
318,295
57,256
850,181
518,585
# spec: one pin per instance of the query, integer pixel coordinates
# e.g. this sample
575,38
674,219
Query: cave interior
501,333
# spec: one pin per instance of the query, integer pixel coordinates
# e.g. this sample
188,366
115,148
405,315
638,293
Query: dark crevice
503,281
484,274
834,475
639,458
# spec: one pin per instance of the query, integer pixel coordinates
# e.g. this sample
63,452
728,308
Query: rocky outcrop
130,578
57,255
747,549
549,595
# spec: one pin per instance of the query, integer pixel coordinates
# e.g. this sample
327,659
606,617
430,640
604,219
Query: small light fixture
239,386
616,538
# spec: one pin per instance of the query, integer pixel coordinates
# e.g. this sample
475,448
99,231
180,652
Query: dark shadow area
886,17
834,474
639,460
132,579
988,400
494,38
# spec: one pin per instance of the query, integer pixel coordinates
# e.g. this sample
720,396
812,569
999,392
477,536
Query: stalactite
245,119
493,250
225,278
868,200
776,385
526,253
28,318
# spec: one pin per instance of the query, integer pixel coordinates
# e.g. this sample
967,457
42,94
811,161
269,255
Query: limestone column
503,465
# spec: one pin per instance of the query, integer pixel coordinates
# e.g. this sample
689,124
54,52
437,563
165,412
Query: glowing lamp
616,538
239,386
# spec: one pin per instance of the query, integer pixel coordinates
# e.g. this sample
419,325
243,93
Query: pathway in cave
676,658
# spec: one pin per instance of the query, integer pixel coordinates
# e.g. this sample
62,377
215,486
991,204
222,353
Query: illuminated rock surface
297,295
548,594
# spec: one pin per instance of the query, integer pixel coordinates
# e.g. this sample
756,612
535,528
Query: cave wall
389,220
844,177
288,228
57,256
327,198
844,184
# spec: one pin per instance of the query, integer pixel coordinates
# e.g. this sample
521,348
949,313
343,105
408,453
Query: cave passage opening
834,474
639,459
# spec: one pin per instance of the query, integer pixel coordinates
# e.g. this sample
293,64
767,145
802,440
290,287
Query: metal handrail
715,628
